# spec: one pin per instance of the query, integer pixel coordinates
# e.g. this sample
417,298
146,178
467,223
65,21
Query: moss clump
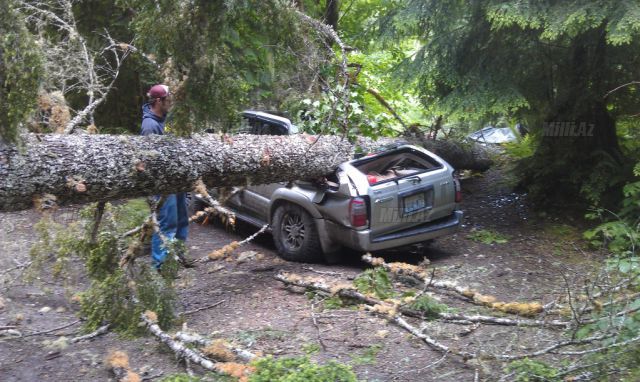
368,356
488,237
376,282
333,302
300,369
429,306
527,370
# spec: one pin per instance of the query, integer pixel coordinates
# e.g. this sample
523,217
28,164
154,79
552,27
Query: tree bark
460,155
58,169
86,168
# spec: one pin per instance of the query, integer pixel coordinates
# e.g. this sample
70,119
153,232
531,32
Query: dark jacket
151,123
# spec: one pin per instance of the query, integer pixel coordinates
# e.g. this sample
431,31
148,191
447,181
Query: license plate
414,203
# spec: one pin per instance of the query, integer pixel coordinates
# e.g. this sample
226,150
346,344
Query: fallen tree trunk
86,168
56,169
462,156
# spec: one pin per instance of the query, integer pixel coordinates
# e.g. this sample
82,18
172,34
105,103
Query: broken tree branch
229,248
98,332
243,355
428,340
471,295
183,352
188,312
178,348
52,330
347,291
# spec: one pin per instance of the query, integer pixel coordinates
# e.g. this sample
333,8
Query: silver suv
401,196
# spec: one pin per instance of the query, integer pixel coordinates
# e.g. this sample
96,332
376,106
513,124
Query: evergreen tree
541,62
20,71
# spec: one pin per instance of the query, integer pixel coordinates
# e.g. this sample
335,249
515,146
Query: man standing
172,214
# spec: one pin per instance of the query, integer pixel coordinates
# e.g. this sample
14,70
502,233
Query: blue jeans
173,220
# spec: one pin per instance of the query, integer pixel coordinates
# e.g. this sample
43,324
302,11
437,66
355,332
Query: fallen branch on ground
228,249
228,368
51,330
192,338
100,331
348,291
202,308
393,312
527,309
428,340
11,332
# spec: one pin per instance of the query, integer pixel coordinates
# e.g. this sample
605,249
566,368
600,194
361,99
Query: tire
295,234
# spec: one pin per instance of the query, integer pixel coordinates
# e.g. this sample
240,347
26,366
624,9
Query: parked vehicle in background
401,196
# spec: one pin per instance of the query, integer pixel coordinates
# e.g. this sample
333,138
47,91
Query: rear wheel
295,234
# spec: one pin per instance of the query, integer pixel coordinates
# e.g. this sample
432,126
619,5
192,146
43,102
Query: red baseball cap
158,91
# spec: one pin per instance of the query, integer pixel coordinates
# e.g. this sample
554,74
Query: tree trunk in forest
579,145
332,13
85,168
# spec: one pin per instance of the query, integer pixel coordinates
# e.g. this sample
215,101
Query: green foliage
622,234
270,369
57,243
618,236
368,356
112,300
528,370
329,114
131,214
429,306
311,348
333,302
113,296
532,62
522,148
20,71
300,369
244,54
488,237
375,281
569,20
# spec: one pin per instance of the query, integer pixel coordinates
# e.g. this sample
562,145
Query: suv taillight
358,212
456,186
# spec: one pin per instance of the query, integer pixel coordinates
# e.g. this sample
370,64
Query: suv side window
255,125
268,129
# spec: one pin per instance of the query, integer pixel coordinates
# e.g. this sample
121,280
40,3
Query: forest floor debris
265,318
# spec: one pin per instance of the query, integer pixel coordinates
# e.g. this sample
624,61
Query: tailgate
413,189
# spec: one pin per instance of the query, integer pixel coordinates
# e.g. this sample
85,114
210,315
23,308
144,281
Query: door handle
413,179
383,200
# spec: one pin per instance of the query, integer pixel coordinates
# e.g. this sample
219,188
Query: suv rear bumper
363,241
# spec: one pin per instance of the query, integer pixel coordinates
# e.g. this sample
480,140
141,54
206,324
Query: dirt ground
542,253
